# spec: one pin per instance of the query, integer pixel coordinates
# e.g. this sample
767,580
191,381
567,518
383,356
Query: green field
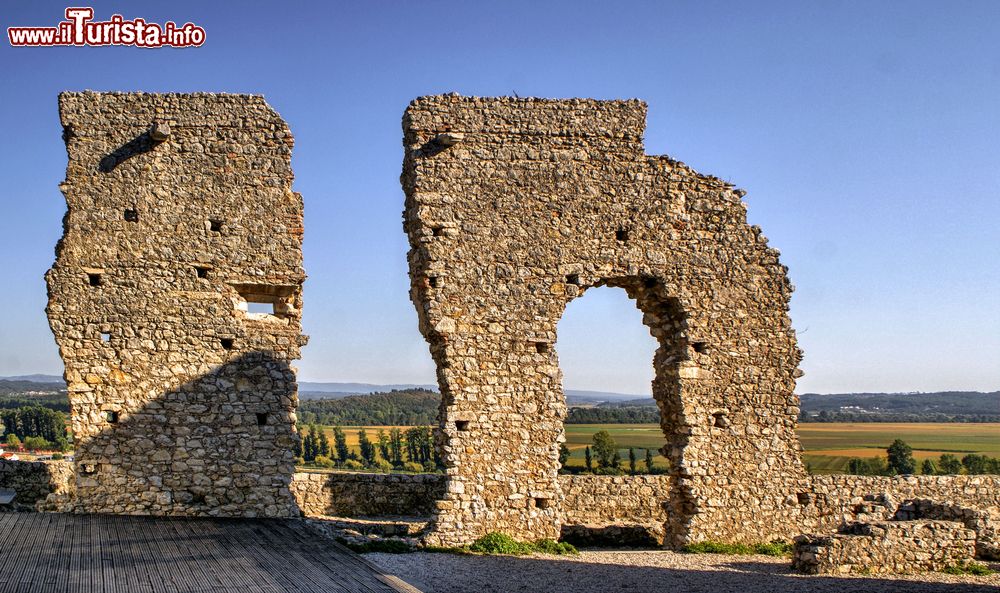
828,446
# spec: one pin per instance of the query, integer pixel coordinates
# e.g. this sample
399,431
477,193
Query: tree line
34,427
899,460
855,417
614,415
396,449
405,407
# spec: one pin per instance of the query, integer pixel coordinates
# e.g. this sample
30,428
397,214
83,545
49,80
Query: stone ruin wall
34,481
886,547
180,212
836,498
514,207
620,510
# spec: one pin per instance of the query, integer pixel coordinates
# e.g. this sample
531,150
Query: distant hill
408,407
312,390
20,386
963,406
578,396
416,401
35,378
21,393
943,406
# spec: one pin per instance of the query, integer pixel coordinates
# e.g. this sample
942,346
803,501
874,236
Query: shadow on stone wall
33,481
138,145
220,444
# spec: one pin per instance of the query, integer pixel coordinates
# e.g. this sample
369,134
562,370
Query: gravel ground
653,571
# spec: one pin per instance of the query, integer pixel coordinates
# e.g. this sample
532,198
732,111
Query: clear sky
866,133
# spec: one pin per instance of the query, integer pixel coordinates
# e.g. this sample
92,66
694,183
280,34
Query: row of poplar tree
410,450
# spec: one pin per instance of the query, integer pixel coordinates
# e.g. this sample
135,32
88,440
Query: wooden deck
56,553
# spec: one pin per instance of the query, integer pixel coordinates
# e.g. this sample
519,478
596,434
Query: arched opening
609,344
606,355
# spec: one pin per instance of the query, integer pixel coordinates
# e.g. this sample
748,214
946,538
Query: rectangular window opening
700,347
105,337
260,308
112,416
94,279
227,343
131,215
261,301
541,503
462,425
541,347
573,279
215,225
433,281
621,235
201,271
438,231
261,418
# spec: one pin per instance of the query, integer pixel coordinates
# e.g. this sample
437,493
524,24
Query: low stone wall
33,481
349,494
836,498
614,499
614,510
886,547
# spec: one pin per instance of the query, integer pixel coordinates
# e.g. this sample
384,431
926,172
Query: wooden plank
333,552
340,565
54,553
232,575
15,561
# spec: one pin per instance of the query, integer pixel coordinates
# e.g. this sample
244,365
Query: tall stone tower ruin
175,300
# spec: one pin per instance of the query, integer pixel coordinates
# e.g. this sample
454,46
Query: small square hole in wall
438,231
700,347
131,215
261,418
105,337
89,468
94,279
720,420
541,503
433,281
215,225
462,425
573,279
541,347
621,235
201,271
227,343
111,416
804,498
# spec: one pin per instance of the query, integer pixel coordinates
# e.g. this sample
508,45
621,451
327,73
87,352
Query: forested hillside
408,407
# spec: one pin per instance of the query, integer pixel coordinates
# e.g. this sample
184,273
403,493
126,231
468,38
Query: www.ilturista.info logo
80,29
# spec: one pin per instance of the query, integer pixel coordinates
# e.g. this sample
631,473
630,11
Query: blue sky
866,133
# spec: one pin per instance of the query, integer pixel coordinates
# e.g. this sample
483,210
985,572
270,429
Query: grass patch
970,568
769,549
491,543
500,543
443,549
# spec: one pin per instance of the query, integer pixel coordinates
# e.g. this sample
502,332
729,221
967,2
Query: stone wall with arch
514,207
